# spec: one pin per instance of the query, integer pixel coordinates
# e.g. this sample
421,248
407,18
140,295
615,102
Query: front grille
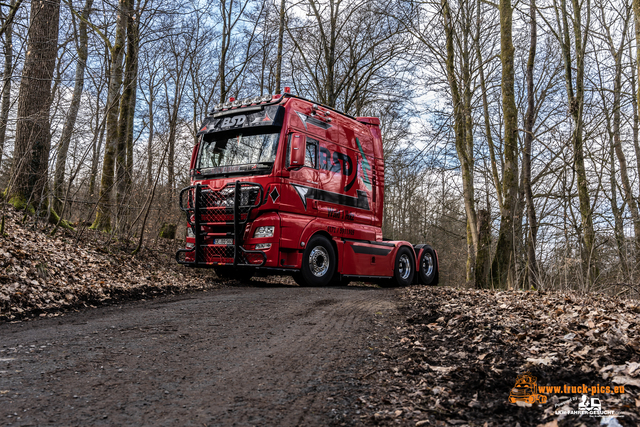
217,206
220,212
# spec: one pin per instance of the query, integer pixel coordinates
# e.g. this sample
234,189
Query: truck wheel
428,272
404,268
318,262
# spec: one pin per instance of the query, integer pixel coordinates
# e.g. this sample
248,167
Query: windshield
220,151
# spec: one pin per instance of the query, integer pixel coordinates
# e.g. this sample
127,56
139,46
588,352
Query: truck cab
283,185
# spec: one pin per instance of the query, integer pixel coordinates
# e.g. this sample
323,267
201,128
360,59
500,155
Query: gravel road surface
268,356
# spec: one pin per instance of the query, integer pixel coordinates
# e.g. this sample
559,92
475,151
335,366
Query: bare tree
529,121
7,73
63,146
575,98
103,212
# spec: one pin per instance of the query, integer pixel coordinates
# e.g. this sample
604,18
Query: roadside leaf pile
455,359
42,275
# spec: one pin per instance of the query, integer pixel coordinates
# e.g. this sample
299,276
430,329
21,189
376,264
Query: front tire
318,262
428,267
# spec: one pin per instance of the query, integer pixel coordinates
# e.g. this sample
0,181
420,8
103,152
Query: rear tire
404,268
318,262
428,267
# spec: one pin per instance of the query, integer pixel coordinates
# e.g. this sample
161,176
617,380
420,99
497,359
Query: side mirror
297,147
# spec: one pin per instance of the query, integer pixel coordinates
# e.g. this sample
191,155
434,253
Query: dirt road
238,356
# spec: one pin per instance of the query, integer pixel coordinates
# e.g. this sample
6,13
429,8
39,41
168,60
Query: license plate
223,242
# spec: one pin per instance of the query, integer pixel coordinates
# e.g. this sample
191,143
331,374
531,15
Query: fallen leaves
43,274
457,356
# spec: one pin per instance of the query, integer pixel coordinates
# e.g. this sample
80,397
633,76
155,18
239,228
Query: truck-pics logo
526,390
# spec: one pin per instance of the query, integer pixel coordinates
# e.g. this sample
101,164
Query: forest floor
413,357
43,275
456,354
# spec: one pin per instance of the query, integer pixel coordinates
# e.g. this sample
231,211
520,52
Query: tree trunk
576,105
485,110
618,229
635,84
636,120
95,158
171,177
125,121
224,47
472,226
33,137
172,113
529,120
462,144
624,175
67,131
150,141
103,211
132,113
503,267
328,37
590,254
483,259
6,83
280,43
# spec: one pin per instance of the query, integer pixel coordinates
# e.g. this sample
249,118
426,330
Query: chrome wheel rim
319,261
404,266
427,264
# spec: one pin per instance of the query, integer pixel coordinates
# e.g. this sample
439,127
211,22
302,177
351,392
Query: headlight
263,246
264,231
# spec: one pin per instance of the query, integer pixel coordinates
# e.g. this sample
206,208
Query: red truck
283,185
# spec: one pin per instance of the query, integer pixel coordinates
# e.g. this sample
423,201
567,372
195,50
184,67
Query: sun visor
271,115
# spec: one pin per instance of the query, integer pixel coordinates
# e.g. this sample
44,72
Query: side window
311,154
288,150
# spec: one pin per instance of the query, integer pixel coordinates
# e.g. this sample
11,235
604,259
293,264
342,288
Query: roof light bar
235,103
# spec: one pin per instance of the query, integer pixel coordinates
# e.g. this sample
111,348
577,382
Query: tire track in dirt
238,356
